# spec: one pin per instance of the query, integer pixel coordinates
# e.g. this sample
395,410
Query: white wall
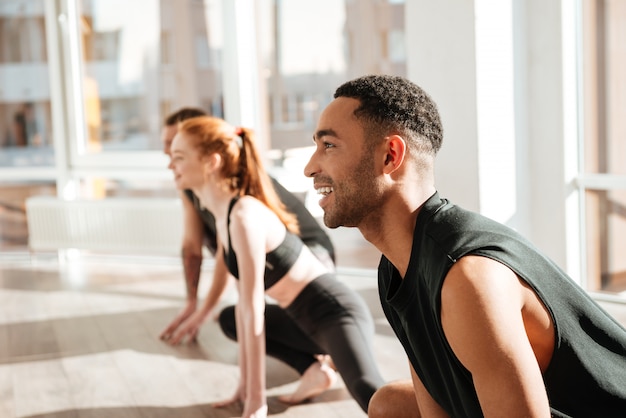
546,142
500,87
441,59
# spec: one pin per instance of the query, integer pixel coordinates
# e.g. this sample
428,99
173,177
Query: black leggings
325,318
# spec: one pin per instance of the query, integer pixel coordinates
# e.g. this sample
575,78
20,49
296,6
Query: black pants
325,318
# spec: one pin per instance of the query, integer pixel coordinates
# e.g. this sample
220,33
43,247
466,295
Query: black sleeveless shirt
277,262
587,374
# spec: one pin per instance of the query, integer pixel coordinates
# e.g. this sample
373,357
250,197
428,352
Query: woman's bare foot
326,359
315,380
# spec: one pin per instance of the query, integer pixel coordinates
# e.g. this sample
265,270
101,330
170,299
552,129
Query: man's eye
328,145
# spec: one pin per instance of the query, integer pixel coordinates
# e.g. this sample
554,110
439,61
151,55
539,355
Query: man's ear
396,149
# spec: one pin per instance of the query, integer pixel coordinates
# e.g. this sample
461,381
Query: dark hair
392,103
183,114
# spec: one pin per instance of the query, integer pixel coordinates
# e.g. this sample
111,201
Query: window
603,180
26,138
25,114
306,61
155,52
93,80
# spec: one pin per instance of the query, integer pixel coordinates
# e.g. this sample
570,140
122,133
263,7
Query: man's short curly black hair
392,103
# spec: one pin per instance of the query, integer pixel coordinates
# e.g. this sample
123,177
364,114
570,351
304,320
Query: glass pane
306,61
13,224
606,240
605,86
25,116
144,63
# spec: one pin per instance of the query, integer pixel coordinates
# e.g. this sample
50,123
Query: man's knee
394,400
376,407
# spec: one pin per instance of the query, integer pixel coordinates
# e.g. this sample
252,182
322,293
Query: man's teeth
324,190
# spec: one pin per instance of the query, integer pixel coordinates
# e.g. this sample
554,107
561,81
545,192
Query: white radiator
119,225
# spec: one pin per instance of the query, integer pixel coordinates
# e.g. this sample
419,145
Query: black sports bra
277,262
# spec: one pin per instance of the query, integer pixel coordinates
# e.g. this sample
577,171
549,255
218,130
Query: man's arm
482,305
193,236
191,326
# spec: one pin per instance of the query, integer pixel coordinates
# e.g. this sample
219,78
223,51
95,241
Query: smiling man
480,312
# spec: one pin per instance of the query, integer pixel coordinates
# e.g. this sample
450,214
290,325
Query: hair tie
239,137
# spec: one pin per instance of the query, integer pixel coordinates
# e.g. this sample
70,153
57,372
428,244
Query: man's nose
167,145
310,169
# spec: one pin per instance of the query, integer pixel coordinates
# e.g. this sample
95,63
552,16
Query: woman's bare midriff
299,276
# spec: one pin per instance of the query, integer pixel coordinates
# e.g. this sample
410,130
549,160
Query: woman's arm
243,364
248,241
240,392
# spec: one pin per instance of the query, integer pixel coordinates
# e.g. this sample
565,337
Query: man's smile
324,190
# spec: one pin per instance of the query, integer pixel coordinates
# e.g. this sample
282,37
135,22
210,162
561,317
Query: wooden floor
80,339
